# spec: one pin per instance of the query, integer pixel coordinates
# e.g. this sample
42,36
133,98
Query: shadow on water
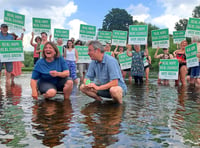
151,116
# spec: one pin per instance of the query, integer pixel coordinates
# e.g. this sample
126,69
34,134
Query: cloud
139,12
74,26
57,13
165,21
174,11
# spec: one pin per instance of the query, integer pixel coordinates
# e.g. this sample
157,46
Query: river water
151,116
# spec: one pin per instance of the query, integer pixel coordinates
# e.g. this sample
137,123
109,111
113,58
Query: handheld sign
160,38
178,36
169,69
11,50
104,37
87,32
119,37
41,25
83,56
15,21
61,33
191,58
193,27
138,34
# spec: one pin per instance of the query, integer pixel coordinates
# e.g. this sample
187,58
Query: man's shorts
9,66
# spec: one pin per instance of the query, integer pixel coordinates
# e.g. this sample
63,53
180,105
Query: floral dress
137,67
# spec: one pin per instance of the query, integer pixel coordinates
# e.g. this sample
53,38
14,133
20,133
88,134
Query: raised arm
146,50
115,51
129,50
31,42
156,53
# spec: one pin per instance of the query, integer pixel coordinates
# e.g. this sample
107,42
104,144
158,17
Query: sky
69,14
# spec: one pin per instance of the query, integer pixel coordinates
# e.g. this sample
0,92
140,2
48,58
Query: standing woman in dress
71,56
17,65
137,66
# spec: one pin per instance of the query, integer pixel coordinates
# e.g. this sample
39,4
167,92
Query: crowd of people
56,70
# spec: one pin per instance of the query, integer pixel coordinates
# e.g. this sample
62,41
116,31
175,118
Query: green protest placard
87,32
60,48
61,33
124,61
83,56
104,37
41,48
11,51
41,25
15,21
193,27
138,34
168,69
191,58
119,37
178,36
160,38
108,53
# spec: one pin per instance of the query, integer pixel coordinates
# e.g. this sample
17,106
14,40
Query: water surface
151,116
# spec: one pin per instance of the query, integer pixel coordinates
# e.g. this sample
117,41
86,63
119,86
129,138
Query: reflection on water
103,119
50,119
151,116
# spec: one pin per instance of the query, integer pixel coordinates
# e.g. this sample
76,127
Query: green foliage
28,59
196,12
181,25
117,19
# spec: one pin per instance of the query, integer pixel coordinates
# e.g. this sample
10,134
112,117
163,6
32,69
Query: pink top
35,55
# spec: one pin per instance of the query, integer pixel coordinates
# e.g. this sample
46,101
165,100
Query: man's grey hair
96,44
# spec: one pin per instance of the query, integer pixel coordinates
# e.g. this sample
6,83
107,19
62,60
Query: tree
196,12
117,19
181,25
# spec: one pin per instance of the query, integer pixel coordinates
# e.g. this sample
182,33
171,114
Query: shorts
104,93
146,67
195,72
9,66
35,60
44,86
82,67
129,69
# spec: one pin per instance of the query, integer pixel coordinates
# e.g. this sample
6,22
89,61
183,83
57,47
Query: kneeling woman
51,74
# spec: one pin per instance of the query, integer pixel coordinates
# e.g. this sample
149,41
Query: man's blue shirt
7,37
106,71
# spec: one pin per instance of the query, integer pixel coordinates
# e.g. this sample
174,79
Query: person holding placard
82,67
4,35
36,52
124,71
107,49
137,66
51,74
17,65
195,71
104,75
147,63
180,55
71,57
164,55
